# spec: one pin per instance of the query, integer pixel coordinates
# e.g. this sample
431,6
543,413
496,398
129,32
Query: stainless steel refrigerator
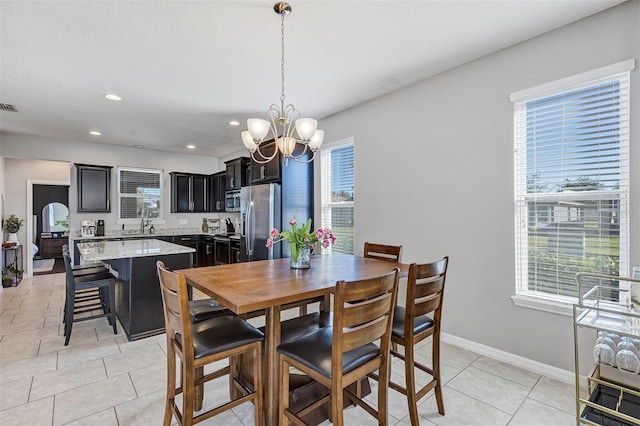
260,212
264,207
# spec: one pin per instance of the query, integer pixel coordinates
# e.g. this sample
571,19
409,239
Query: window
138,190
571,181
337,193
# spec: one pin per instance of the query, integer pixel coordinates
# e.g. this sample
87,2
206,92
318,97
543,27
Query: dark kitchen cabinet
236,173
189,193
267,172
194,242
94,188
217,188
208,257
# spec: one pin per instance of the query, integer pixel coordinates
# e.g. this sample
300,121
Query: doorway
47,226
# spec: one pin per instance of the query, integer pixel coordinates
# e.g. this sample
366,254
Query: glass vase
302,260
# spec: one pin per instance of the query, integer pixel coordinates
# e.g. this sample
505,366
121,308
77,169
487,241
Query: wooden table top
251,286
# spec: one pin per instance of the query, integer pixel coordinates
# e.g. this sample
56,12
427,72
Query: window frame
326,206
160,173
546,301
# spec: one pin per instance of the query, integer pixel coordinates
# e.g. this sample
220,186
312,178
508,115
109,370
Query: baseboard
555,373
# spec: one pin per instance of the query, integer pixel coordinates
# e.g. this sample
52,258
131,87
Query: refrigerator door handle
249,229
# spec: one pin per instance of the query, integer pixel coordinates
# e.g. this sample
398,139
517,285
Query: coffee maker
88,228
100,228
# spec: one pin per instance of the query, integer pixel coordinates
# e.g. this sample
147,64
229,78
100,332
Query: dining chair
340,355
382,251
411,325
77,303
202,343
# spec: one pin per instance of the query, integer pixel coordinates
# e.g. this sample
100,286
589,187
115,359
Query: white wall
434,172
26,146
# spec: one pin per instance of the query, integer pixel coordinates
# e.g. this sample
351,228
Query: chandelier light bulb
258,128
316,140
286,145
248,142
306,127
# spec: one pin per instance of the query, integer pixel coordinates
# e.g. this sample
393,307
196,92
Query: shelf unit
13,263
605,304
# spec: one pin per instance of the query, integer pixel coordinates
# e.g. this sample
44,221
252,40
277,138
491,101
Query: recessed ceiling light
112,97
139,146
234,123
95,133
191,146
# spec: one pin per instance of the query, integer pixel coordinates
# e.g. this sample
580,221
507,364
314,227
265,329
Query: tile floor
103,379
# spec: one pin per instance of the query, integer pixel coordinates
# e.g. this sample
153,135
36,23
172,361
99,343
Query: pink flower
313,246
325,243
269,243
292,221
320,233
306,239
275,233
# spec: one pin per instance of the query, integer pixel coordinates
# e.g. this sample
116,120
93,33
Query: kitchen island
133,262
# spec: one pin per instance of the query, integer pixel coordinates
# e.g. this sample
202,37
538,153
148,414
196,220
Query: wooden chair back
175,301
382,252
363,312
425,290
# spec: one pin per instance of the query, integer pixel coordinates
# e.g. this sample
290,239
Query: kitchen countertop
158,233
95,251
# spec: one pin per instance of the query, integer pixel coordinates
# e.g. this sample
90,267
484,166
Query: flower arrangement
13,224
301,237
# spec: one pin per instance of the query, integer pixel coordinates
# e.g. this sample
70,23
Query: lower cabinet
192,241
208,251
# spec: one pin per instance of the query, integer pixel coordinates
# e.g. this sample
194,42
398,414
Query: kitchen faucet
143,225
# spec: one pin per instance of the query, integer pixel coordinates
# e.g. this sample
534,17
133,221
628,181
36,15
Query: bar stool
345,353
202,343
104,282
425,291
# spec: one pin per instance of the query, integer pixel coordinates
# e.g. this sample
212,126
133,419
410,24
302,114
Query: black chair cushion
220,334
204,309
420,323
314,351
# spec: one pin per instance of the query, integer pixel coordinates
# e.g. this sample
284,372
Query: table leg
271,370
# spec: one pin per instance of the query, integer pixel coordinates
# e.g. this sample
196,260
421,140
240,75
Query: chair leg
383,390
337,403
258,386
436,370
112,308
188,391
171,384
410,378
284,391
68,316
199,391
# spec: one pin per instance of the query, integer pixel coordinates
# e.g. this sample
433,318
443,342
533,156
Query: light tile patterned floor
103,379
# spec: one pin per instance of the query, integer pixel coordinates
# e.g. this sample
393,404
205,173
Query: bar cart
606,305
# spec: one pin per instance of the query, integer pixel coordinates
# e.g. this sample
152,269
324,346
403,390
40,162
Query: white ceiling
186,68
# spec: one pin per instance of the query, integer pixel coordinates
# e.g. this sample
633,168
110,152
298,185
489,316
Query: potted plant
9,275
13,225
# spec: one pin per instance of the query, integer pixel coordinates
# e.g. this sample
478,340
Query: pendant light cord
282,61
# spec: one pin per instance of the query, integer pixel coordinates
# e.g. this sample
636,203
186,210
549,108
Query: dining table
268,285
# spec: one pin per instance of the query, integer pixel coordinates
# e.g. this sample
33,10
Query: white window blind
571,185
337,194
139,189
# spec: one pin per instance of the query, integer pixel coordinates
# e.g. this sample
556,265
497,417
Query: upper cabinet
236,176
94,188
189,193
217,187
275,170
267,172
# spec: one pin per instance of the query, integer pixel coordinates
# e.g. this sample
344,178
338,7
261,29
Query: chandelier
282,120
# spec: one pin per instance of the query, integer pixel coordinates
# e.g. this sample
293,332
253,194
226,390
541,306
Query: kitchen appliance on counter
230,228
88,228
100,228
